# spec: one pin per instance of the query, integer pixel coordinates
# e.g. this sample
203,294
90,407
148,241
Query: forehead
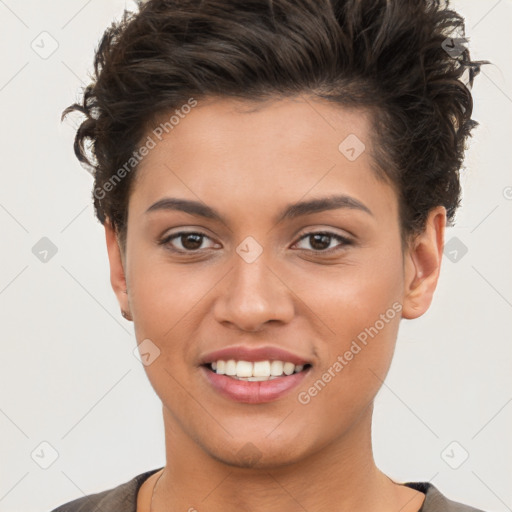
263,152
288,124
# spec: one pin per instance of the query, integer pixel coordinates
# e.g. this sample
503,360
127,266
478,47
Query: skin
249,163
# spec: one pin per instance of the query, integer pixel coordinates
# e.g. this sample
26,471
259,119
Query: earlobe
423,265
117,271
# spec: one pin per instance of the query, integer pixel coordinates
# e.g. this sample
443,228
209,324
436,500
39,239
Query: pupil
324,241
194,245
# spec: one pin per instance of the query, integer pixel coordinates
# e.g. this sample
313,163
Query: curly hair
390,57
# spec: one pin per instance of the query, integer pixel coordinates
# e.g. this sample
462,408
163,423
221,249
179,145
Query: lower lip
253,392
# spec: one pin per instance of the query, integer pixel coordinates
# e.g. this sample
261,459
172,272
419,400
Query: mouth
254,382
255,371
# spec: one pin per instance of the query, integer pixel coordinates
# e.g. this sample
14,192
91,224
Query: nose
252,295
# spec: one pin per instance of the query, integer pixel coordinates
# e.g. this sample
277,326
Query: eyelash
344,241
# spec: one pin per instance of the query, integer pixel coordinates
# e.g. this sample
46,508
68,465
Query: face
220,265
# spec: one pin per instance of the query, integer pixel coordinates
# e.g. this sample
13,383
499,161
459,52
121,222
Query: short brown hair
388,56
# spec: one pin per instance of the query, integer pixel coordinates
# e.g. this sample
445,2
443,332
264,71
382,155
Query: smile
255,371
254,382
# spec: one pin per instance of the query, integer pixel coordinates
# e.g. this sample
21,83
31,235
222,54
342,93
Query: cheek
165,302
161,293
355,359
360,310
348,298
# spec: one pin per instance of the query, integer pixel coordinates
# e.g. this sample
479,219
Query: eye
186,241
192,241
321,241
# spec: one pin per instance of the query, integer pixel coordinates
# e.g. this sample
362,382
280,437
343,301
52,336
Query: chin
250,456
259,451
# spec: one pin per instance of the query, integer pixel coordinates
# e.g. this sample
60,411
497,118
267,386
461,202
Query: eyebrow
291,211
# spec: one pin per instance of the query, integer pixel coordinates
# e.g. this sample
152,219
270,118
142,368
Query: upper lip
241,353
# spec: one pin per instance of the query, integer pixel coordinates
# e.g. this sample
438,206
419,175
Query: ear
117,273
422,265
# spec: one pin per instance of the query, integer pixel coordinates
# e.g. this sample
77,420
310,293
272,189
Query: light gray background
68,373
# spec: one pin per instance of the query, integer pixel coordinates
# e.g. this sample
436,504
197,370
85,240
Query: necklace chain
153,492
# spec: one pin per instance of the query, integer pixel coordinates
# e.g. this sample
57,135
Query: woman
274,179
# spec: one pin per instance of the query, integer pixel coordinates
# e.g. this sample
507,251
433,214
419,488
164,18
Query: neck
339,476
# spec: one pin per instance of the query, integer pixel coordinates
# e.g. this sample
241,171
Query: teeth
230,368
220,367
276,368
255,372
288,368
244,369
260,369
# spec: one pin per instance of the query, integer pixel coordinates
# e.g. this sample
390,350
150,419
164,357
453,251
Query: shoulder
435,501
122,498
